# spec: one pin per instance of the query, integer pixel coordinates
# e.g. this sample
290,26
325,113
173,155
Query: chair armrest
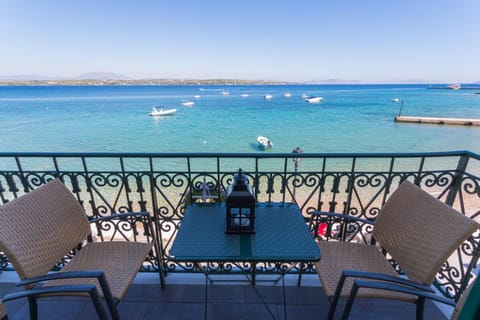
386,278
62,275
342,216
89,289
404,289
54,290
98,274
370,275
391,287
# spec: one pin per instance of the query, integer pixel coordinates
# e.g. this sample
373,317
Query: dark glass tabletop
281,235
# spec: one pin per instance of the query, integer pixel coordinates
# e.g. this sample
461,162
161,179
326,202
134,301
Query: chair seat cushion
120,261
339,256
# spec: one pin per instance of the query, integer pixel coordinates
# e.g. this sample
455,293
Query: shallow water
351,118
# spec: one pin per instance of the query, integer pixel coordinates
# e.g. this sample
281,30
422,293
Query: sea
350,118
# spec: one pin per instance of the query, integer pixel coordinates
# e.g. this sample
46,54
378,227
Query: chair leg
336,297
98,305
107,294
112,307
351,298
33,308
331,311
420,308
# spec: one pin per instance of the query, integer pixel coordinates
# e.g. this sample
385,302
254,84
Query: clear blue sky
292,40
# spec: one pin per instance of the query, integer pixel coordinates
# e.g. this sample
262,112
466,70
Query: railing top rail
241,155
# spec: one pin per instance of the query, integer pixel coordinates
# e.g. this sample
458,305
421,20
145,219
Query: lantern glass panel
241,217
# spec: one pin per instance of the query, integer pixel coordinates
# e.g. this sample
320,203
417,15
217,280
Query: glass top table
281,235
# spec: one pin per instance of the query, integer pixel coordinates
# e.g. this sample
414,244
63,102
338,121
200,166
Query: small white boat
188,103
224,93
313,99
454,86
264,143
287,94
161,112
268,96
245,95
395,100
196,96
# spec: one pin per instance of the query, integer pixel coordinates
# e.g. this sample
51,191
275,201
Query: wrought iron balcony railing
163,183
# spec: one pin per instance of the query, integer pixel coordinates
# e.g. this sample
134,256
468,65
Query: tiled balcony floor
183,298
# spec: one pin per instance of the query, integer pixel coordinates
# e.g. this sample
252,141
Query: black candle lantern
240,206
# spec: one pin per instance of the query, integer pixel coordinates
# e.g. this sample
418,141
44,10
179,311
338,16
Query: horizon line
214,81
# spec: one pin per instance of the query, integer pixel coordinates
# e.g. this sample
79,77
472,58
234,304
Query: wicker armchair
416,230
41,228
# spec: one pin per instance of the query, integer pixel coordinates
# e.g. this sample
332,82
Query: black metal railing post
457,179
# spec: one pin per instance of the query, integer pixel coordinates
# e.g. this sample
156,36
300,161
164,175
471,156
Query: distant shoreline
188,82
152,82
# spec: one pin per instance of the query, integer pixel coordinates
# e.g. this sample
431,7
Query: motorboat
454,86
267,96
161,111
188,103
197,96
264,143
395,100
313,99
224,93
287,94
244,95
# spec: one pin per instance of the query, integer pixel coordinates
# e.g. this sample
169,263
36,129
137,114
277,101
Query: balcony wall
163,184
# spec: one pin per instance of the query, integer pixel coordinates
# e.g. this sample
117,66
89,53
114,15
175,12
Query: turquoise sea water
351,118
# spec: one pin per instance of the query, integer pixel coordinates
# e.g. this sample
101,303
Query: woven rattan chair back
420,232
38,229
